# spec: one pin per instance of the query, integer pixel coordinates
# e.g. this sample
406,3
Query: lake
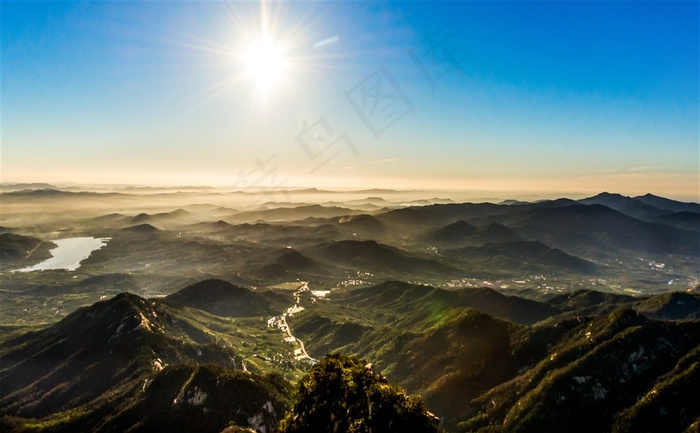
68,254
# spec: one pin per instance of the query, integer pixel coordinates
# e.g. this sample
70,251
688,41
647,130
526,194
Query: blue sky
509,96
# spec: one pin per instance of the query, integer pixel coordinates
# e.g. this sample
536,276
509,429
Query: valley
280,322
349,217
501,316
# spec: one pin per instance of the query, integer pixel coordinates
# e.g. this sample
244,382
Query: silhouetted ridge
375,257
610,227
293,259
405,296
42,193
511,308
179,213
390,292
364,224
624,204
497,233
293,213
671,306
523,255
665,203
588,298
225,299
455,232
141,229
109,218
685,220
14,246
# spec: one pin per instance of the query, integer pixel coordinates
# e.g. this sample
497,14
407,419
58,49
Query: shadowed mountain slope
685,220
605,367
15,247
91,351
224,299
375,257
532,256
668,204
404,297
626,205
671,306
609,227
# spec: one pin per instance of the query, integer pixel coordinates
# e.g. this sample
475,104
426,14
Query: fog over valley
350,217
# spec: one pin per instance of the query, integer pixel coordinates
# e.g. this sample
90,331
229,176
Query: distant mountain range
52,193
634,242
556,315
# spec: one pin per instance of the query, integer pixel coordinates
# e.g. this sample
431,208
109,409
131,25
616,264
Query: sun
266,65
272,61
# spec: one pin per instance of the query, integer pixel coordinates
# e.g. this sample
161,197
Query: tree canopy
344,394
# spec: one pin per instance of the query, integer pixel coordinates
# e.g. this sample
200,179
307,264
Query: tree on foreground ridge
344,394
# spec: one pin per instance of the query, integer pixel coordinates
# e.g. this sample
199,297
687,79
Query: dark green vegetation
476,356
596,378
517,317
181,398
343,394
481,361
148,365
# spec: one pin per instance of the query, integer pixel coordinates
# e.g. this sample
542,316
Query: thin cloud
379,161
646,169
325,42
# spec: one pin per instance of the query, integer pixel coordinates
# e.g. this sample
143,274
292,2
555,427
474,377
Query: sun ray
267,59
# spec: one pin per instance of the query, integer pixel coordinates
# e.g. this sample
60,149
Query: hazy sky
532,96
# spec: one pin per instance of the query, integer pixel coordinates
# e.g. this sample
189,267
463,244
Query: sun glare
265,65
267,59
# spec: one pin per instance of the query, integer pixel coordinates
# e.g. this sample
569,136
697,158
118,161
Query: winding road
280,322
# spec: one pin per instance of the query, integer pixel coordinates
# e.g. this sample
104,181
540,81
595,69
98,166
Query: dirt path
29,254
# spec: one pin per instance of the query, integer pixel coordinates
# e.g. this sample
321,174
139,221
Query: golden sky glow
343,95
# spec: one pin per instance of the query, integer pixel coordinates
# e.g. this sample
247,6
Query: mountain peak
222,298
209,287
605,197
144,228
